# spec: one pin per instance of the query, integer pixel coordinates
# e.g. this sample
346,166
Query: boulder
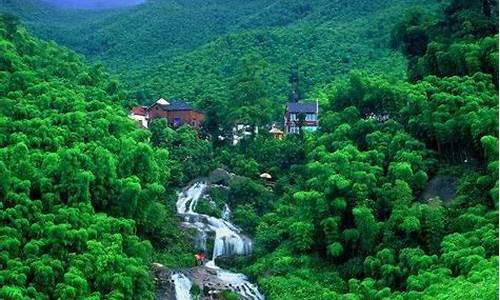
165,289
219,176
443,187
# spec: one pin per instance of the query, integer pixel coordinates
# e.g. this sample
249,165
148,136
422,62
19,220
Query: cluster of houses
177,113
298,116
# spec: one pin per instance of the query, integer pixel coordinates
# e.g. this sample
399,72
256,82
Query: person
196,259
200,258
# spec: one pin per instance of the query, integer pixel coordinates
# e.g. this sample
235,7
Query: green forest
395,196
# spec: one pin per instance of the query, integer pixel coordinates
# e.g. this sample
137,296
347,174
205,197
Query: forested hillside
395,196
194,49
80,185
360,221
357,224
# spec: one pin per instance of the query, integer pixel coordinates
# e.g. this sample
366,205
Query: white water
182,286
228,239
191,196
226,213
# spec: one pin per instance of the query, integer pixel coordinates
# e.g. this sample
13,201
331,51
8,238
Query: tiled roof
295,107
174,105
138,110
178,105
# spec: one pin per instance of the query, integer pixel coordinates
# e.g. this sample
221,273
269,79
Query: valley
261,149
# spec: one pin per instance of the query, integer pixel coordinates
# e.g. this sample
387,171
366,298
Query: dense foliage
462,40
359,205
395,197
362,222
193,49
79,181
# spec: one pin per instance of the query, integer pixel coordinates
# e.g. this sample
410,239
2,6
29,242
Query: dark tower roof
308,107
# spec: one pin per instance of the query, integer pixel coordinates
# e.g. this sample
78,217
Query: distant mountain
94,4
192,48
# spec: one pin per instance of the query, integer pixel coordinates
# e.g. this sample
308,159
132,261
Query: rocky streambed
228,240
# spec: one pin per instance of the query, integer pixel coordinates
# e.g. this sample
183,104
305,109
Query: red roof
138,110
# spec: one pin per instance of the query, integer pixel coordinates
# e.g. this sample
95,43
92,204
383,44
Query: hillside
192,48
81,188
155,31
321,50
60,220
387,187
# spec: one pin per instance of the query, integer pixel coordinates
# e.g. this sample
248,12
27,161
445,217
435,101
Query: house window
177,121
293,117
311,117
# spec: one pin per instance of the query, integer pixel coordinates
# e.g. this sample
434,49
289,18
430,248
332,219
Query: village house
294,111
139,113
177,113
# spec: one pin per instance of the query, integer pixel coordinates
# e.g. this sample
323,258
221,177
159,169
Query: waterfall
228,239
191,196
182,286
241,284
226,213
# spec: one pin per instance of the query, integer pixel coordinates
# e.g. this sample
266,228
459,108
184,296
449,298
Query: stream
228,241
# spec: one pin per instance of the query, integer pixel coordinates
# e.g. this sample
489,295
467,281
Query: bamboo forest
257,149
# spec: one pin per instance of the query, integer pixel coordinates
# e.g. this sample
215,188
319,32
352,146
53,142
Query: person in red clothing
200,258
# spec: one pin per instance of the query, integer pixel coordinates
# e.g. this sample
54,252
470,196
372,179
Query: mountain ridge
167,36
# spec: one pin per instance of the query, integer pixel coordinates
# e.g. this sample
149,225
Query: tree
249,92
10,23
301,234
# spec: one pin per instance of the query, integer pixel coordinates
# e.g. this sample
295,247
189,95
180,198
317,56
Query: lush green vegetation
81,187
357,214
196,49
355,225
347,214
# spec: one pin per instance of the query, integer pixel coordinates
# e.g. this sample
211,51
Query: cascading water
182,286
191,197
226,213
228,239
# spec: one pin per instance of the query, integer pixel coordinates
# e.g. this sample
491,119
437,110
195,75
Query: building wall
156,111
141,119
290,126
197,118
180,117
175,118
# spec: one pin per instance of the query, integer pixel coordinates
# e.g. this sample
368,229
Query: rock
164,287
211,271
219,176
226,262
444,187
